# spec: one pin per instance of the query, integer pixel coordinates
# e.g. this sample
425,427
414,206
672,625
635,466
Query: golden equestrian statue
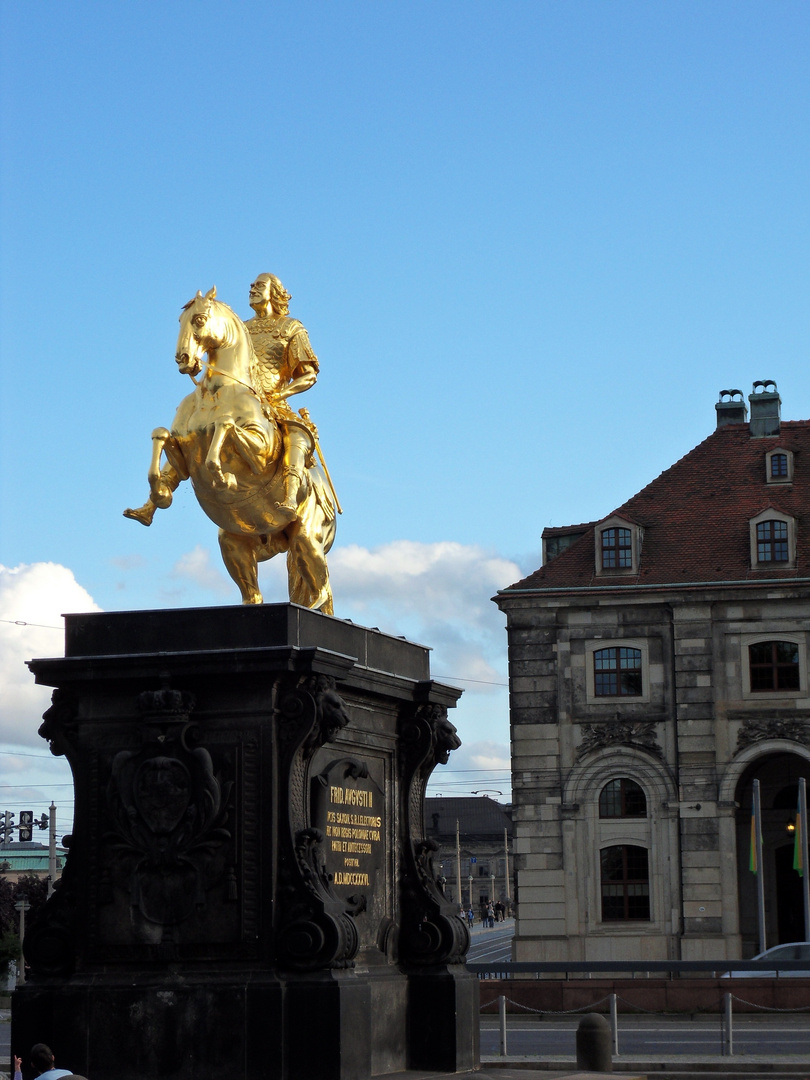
249,456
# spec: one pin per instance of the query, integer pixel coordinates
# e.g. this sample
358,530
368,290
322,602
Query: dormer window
618,546
779,466
773,540
617,549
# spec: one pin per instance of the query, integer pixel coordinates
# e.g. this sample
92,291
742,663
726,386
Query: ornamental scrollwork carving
314,928
168,810
619,733
754,731
431,932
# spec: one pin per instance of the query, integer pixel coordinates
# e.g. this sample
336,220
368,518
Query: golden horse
226,441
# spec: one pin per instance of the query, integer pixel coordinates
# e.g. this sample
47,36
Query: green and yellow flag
752,865
798,843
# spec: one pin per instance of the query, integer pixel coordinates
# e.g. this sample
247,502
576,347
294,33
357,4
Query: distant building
27,857
485,847
658,665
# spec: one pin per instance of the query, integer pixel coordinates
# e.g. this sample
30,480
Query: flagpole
801,847
760,868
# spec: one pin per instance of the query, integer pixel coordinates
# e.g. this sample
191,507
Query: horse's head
205,324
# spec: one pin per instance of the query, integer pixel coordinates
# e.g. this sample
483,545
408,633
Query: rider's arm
303,363
299,384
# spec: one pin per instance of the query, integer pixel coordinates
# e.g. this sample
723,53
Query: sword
305,414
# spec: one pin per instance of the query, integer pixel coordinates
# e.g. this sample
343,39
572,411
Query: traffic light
8,827
24,833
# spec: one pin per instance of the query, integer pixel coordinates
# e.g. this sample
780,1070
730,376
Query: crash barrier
726,1033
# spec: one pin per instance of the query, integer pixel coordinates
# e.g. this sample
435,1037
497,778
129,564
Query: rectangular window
617,549
779,465
774,665
772,541
617,672
625,883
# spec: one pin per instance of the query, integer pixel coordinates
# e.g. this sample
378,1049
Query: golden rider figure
287,366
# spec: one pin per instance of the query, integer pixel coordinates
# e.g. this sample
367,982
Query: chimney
733,410
765,409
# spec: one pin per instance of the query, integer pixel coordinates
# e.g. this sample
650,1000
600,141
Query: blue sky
530,242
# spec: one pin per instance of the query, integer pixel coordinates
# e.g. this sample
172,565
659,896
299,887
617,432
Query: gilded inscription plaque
349,809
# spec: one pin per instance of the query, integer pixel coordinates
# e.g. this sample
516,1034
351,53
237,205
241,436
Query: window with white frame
617,547
773,540
779,466
617,670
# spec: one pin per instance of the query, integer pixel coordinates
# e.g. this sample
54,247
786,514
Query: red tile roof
695,516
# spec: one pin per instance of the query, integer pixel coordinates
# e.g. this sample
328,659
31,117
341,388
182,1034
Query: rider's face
260,293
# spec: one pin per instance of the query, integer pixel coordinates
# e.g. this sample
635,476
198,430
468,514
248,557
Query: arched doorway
778,775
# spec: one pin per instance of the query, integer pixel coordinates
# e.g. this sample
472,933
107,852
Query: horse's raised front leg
213,460
162,482
239,553
253,444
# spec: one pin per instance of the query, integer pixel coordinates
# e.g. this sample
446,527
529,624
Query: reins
217,371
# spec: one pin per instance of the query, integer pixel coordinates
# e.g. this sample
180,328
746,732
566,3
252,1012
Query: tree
33,888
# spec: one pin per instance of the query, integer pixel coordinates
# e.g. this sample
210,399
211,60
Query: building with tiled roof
658,666
474,838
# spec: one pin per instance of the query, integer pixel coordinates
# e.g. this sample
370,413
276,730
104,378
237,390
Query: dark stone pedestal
249,892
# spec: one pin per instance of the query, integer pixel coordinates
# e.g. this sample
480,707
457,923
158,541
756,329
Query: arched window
774,665
625,883
622,798
617,672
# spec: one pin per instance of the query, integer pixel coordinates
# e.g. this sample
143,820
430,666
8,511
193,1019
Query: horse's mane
235,329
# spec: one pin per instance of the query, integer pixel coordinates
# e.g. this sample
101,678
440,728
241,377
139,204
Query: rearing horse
226,441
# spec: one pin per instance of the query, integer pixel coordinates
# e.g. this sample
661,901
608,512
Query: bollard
593,1044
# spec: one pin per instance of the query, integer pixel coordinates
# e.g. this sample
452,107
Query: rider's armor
282,349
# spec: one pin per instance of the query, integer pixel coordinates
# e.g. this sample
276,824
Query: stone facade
483,856
640,710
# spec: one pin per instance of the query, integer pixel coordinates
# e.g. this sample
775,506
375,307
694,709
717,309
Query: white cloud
33,599
447,578
196,566
439,595
436,594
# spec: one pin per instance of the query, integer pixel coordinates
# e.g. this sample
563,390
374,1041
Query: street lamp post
22,906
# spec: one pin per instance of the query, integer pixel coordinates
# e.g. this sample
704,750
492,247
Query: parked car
794,950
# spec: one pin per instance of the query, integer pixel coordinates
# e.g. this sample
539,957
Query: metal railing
726,1029
670,968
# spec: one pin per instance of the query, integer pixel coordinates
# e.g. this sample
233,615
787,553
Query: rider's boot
288,509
